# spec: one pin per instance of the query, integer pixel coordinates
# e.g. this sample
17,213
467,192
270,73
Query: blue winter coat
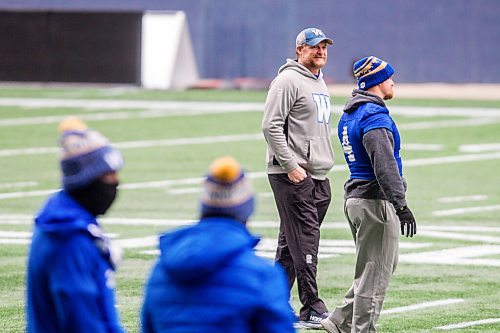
208,279
70,279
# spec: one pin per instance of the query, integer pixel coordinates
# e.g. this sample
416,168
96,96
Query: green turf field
448,274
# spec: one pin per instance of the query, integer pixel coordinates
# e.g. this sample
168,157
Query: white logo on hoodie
323,107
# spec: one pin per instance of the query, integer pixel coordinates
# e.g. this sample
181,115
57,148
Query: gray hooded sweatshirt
296,122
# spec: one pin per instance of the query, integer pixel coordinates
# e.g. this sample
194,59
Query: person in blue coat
71,264
208,278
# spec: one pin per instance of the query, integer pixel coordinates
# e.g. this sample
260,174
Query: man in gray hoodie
297,128
375,203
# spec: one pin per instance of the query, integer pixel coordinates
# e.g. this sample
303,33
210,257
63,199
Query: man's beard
317,63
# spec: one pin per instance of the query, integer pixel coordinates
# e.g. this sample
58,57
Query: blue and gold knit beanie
86,154
371,71
227,191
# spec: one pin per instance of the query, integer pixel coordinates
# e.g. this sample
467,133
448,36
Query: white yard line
424,305
460,256
477,148
452,159
25,194
255,175
422,147
18,184
457,236
144,144
122,104
103,116
448,123
207,107
15,234
468,229
468,324
477,197
467,210
28,151
15,241
131,243
418,111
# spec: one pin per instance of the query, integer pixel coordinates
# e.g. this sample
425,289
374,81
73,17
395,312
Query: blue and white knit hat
227,191
371,71
85,155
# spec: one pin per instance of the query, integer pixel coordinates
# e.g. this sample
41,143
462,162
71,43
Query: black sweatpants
302,208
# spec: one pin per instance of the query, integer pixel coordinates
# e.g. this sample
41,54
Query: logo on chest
322,107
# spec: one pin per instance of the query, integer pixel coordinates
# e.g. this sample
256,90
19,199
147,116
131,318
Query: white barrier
168,60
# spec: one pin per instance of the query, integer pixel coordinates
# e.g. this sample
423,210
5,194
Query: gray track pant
302,208
375,228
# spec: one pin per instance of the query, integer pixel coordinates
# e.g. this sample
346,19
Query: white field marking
130,243
17,241
195,190
43,120
6,236
422,147
16,219
25,194
189,141
452,159
459,228
424,305
468,210
477,148
448,123
412,111
461,256
231,106
468,324
437,231
267,247
255,175
18,184
144,144
457,236
477,197
234,138
207,107
190,190
142,221
15,234
28,151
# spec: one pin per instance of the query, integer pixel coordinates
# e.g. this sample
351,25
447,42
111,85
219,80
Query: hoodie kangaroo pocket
320,154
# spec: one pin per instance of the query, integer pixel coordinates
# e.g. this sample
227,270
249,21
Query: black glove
407,221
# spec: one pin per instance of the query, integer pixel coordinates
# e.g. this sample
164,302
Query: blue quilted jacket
208,279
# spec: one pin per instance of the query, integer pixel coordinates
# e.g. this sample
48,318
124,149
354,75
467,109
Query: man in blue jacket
71,264
208,278
375,201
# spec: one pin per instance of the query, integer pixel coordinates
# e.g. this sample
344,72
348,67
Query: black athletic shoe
313,321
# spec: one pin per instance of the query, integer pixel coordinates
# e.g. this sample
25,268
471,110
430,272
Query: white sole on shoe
307,325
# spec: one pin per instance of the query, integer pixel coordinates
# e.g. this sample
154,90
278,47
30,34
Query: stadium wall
453,41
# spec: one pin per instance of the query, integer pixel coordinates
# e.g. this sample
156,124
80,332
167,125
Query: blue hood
194,253
61,213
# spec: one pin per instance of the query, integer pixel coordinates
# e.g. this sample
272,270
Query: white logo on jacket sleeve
323,107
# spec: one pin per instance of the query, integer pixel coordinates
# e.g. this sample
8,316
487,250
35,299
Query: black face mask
96,197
